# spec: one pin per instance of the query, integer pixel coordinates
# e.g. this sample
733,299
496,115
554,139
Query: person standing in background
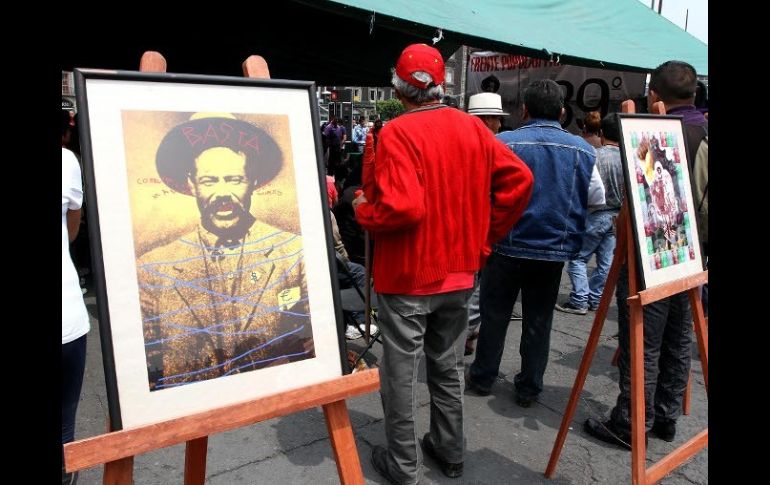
599,238
530,258
75,324
489,108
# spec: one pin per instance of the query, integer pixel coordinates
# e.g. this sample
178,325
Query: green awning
617,34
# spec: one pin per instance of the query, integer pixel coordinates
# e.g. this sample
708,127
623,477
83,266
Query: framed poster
214,264
656,165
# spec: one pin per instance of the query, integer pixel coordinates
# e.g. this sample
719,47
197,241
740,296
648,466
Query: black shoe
452,470
524,401
608,433
475,389
380,463
570,308
664,429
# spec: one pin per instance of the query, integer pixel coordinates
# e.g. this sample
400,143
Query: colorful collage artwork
661,184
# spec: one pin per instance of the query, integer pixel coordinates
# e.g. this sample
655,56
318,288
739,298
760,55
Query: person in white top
74,325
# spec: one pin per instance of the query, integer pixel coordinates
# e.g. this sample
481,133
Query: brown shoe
380,463
452,470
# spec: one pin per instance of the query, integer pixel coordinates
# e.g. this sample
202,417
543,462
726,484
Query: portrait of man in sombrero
229,296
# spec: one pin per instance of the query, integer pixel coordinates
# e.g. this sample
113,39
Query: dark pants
335,160
667,340
73,364
502,279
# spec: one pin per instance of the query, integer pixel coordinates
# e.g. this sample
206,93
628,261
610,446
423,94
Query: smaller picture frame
656,166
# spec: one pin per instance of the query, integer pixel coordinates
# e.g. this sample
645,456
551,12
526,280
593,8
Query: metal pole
463,76
367,288
652,5
660,6
686,18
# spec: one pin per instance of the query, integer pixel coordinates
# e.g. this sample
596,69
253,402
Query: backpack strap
705,193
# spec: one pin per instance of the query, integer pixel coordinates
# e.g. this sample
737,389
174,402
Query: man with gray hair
442,191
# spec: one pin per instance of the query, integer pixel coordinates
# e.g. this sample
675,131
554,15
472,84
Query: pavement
506,444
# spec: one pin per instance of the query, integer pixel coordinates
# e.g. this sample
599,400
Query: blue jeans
599,239
356,275
502,279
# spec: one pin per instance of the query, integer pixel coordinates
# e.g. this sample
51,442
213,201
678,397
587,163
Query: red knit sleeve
399,195
512,184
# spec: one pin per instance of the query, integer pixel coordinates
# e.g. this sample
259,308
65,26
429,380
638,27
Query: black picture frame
119,109
661,207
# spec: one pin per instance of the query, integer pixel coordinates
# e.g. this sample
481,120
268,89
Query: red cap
420,57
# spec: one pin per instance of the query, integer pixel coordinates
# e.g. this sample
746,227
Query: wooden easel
117,449
640,475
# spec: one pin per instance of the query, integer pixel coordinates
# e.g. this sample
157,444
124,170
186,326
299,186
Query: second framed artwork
656,166
208,218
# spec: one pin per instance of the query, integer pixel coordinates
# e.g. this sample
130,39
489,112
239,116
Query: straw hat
186,141
488,104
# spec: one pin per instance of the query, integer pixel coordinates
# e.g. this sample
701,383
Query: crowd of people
467,218
518,206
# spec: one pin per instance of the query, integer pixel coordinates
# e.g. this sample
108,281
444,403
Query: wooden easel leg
195,461
119,472
580,379
638,428
701,332
593,341
152,61
343,443
615,357
686,399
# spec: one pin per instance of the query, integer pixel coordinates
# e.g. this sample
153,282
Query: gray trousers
412,325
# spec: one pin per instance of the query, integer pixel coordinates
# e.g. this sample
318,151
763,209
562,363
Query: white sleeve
72,186
595,189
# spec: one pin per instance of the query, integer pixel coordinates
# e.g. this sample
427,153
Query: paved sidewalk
506,443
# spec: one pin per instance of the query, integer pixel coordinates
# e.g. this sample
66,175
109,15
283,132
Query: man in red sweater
444,190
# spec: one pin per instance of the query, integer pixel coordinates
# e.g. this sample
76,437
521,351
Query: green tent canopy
617,34
357,42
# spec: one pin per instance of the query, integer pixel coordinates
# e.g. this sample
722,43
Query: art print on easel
211,230
655,161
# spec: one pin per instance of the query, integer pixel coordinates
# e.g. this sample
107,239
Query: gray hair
414,94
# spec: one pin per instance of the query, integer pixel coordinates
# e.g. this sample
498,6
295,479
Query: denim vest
552,226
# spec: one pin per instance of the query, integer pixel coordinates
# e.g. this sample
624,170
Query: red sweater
435,173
